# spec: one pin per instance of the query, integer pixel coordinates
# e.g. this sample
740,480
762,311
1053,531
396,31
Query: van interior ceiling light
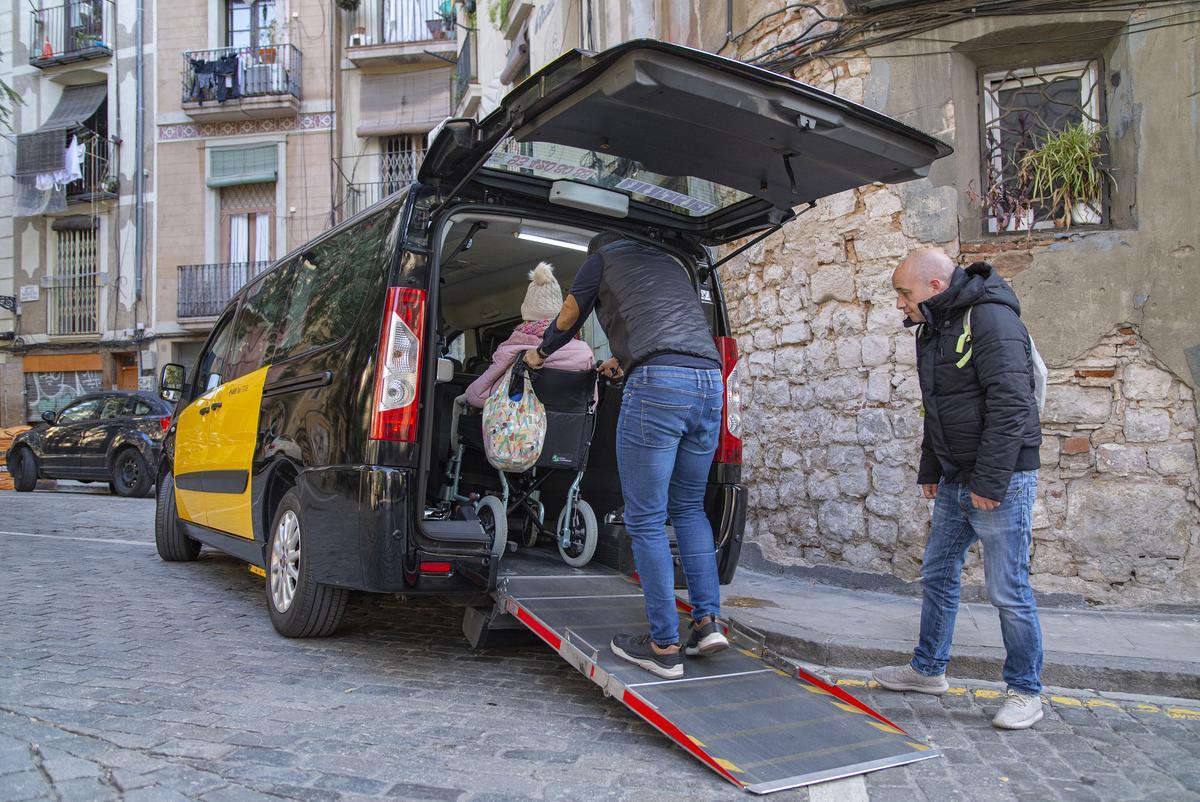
547,239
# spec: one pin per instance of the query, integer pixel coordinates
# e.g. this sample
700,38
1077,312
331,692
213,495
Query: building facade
74,305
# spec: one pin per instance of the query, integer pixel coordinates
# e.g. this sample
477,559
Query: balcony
399,32
466,92
373,177
205,289
77,30
240,83
100,169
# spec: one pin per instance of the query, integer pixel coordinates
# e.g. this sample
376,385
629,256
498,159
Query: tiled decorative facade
303,122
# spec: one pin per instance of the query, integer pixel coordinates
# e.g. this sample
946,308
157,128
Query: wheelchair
569,398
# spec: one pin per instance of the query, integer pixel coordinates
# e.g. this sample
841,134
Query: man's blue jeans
1006,534
666,437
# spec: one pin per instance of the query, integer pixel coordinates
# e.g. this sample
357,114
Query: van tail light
165,422
397,402
729,447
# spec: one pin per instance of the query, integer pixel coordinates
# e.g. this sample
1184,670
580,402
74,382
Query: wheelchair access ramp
759,722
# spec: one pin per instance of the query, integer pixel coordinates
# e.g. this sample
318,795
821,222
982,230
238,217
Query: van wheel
584,534
130,474
300,607
494,521
24,470
172,544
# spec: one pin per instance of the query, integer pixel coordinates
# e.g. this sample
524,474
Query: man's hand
981,503
611,368
929,491
533,360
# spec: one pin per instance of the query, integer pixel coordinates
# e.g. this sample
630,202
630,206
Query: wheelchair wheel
584,534
494,521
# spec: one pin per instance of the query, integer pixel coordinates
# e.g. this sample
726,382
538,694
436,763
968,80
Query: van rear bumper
360,536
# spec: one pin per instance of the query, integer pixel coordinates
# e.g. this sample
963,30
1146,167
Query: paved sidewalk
1130,652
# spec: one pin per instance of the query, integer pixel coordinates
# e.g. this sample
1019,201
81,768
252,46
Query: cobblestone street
124,677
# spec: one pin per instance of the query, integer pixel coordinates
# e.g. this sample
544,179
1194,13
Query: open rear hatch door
695,141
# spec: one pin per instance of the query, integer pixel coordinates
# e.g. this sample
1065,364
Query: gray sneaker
907,678
1020,711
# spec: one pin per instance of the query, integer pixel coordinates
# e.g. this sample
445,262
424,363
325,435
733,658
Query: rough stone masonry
833,433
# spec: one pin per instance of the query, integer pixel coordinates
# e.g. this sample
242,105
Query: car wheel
23,470
130,474
173,545
300,607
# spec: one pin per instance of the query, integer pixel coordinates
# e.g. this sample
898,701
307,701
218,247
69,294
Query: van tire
311,609
172,544
23,470
130,474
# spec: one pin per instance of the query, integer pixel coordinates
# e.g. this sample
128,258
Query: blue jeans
1006,534
666,437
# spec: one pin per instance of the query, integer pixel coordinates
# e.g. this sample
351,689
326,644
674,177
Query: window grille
1020,108
74,289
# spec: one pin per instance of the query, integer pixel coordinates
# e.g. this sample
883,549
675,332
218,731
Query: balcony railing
371,178
73,31
205,289
377,22
100,171
464,70
230,73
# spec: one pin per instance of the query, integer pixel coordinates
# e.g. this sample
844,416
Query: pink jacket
575,355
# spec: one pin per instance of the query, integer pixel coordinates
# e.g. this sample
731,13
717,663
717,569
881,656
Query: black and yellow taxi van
311,438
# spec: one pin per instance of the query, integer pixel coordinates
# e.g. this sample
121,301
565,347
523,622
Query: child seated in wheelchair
567,388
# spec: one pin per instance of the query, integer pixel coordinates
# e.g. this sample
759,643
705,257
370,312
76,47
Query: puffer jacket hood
978,284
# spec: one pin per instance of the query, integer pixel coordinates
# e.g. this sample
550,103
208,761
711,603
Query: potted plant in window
1067,170
266,55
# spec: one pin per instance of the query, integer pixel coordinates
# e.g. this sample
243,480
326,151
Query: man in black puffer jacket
979,460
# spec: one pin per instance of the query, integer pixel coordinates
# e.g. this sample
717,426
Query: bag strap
517,387
964,341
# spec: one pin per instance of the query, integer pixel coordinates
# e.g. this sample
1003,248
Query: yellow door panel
233,432
192,456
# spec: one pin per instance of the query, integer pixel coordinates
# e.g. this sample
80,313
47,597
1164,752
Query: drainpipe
139,172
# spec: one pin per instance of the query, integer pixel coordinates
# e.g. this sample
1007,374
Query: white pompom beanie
544,298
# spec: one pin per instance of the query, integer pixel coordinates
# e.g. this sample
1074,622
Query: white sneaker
1020,711
907,678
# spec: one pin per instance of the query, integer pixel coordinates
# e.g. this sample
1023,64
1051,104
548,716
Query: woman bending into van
543,299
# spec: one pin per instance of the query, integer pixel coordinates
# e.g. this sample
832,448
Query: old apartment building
74,298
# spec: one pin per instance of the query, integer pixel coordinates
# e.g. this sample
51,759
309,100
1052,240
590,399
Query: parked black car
113,437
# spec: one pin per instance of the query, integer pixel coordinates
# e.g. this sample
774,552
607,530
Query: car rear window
695,197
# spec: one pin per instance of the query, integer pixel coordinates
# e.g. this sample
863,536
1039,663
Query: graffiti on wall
53,390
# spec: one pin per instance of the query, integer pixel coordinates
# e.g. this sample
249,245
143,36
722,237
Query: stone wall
833,430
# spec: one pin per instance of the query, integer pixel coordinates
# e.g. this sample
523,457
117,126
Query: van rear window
695,197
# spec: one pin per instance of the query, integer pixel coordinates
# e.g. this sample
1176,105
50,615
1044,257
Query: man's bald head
923,274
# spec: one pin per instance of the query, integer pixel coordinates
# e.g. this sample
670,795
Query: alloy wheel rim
285,562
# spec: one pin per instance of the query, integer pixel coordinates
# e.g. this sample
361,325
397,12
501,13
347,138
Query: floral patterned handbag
514,422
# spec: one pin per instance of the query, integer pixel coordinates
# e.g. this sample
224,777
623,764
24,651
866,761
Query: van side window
211,367
259,324
330,284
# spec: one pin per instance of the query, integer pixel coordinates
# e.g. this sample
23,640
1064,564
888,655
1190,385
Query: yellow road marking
1145,708
917,746
956,691
254,569
1185,713
1066,700
808,686
1103,703
987,693
696,741
847,708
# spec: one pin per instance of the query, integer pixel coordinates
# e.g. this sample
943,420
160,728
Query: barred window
74,297
1021,107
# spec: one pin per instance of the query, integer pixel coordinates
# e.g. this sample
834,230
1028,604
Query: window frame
991,80
225,322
